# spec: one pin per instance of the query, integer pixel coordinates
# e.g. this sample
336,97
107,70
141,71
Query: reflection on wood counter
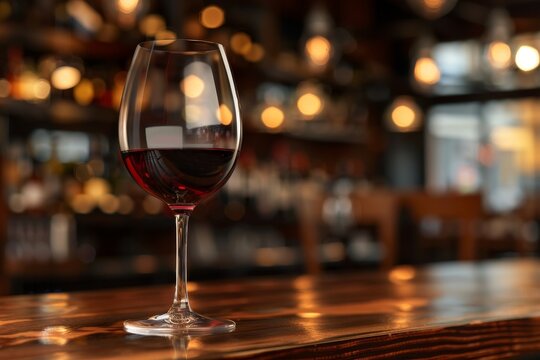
462,309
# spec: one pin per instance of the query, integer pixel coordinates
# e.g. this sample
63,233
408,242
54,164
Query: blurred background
376,133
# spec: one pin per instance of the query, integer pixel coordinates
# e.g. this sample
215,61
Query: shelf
63,42
60,113
481,96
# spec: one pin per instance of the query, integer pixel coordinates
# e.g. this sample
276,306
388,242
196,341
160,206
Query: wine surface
180,176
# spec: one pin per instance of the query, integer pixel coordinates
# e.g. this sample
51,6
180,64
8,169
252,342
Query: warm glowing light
309,315
109,203
426,71
527,58
212,17
165,37
96,188
318,49
25,88
127,6
84,92
5,88
82,203
402,274
404,114
224,114
192,86
512,138
55,335
125,204
41,89
309,104
255,53
240,43
65,77
499,54
151,24
272,117
434,4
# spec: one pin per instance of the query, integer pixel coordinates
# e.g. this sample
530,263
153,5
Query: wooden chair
379,208
465,211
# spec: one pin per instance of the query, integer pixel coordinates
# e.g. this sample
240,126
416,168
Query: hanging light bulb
498,51
212,17
309,101
527,58
432,9
272,117
404,115
425,71
318,48
65,77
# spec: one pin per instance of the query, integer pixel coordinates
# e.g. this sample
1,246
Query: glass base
184,323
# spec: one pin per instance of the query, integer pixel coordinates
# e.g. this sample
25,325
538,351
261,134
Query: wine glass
180,135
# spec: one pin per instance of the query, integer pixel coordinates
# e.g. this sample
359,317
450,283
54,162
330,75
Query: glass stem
181,300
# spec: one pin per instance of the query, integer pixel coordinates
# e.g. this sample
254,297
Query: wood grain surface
451,311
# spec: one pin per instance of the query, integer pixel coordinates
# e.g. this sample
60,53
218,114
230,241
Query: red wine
180,176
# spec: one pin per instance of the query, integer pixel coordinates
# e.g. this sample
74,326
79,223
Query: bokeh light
404,114
499,54
318,50
192,86
426,71
527,58
309,104
272,117
127,6
212,17
84,92
65,77
224,114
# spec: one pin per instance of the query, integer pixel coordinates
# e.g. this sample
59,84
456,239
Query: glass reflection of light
55,335
309,104
192,86
309,315
499,54
193,113
527,58
318,50
402,274
426,71
65,77
224,115
55,304
272,117
212,17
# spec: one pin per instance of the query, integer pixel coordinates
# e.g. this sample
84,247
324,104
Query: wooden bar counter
460,310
